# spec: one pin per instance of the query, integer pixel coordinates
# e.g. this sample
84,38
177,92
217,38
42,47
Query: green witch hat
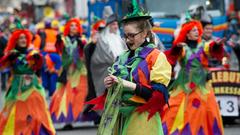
135,12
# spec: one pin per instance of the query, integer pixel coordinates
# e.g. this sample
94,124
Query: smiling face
134,37
207,31
193,34
22,41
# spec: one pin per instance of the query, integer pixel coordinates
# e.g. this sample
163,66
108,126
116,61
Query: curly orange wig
12,42
186,27
68,24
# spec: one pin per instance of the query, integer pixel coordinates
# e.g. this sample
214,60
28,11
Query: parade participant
67,102
192,105
109,46
208,37
52,63
25,111
137,87
88,51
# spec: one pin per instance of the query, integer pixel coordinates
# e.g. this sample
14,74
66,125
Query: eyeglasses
130,36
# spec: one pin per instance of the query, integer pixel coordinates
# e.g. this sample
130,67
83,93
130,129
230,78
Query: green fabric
19,84
115,118
68,56
197,73
111,110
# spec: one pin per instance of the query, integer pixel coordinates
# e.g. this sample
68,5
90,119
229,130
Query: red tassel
98,102
154,105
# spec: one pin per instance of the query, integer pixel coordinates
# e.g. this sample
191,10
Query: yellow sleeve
161,70
206,48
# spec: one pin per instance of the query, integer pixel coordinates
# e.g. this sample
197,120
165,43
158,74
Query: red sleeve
173,54
216,51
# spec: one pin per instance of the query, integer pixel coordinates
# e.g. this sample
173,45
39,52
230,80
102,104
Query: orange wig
98,24
186,27
12,42
68,24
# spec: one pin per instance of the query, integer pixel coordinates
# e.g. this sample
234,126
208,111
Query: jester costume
25,111
67,102
125,110
192,105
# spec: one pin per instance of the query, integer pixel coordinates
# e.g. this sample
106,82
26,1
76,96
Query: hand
110,80
221,41
181,44
13,54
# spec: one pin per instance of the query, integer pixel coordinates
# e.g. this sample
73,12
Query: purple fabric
186,130
201,131
64,119
144,67
145,51
176,132
135,75
192,57
165,129
216,130
43,131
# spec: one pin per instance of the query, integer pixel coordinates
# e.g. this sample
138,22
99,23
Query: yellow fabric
206,48
63,106
138,124
10,125
161,70
179,120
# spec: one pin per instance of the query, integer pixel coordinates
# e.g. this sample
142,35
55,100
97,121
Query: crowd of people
121,83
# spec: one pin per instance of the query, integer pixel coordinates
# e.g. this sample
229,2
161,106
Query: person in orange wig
25,110
192,105
67,102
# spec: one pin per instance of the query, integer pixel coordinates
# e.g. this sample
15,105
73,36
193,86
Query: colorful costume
126,110
192,105
52,63
67,102
136,111
25,111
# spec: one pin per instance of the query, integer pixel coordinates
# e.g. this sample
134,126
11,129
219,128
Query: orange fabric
51,38
14,37
30,115
50,64
151,58
203,116
75,97
37,42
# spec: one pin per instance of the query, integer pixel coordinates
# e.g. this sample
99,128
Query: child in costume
25,111
192,105
137,85
68,101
